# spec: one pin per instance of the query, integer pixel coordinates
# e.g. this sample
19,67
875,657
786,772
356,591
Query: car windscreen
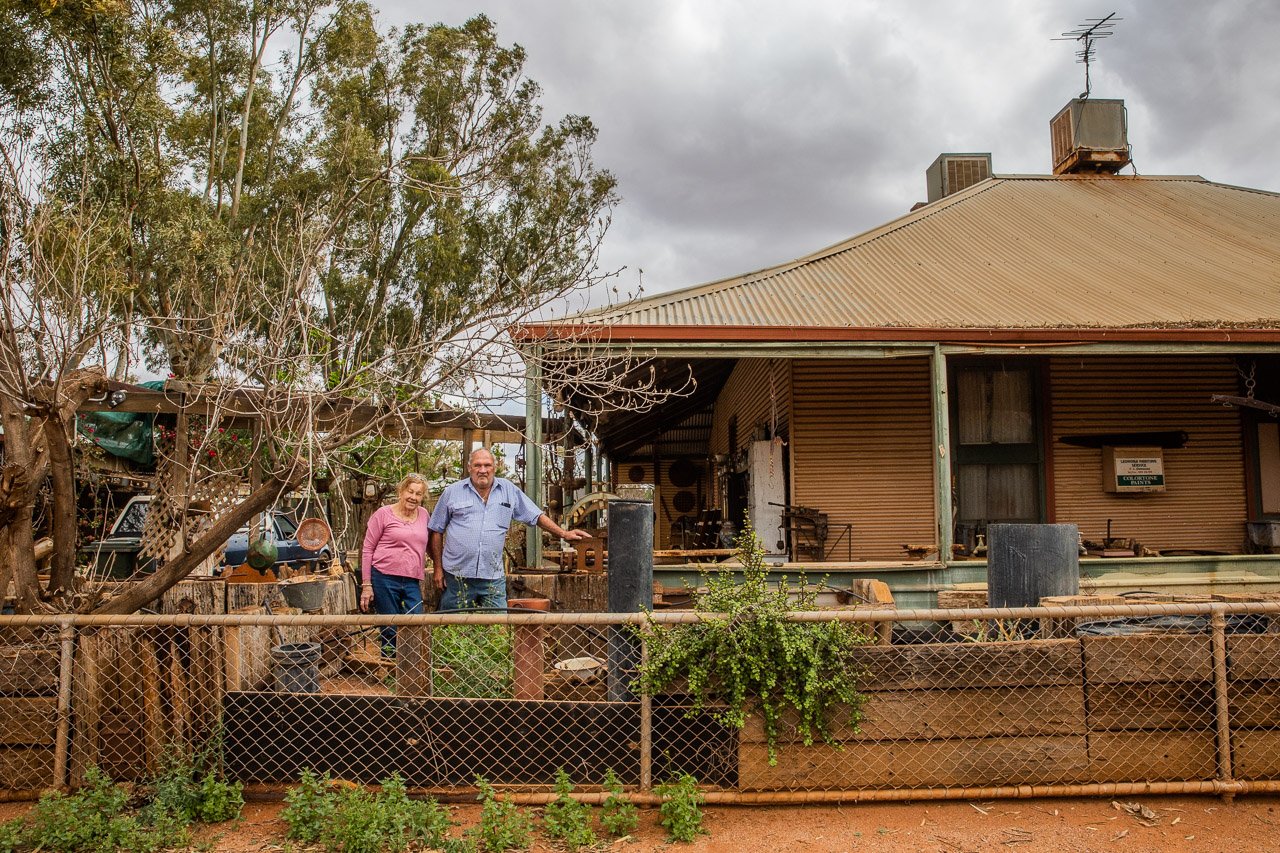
132,520
285,527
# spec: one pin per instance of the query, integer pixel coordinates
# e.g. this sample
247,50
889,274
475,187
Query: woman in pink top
395,549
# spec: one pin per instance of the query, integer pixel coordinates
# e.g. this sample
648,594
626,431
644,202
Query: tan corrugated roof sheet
1020,252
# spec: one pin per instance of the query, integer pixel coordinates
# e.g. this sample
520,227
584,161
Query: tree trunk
18,485
62,478
142,593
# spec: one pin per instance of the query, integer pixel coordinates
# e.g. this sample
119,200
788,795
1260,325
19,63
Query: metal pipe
646,723
66,671
1218,625
761,798
665,617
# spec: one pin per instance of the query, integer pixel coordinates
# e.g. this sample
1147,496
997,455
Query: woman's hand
366,598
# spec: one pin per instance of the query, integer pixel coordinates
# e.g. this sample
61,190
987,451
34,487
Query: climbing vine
744,655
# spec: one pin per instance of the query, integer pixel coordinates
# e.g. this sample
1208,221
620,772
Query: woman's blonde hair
409,480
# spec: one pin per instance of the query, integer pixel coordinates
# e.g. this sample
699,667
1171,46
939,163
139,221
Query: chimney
951,173
1089,136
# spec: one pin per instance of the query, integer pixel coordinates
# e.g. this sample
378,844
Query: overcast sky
744,134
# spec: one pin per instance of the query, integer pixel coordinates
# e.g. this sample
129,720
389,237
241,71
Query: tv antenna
1086,35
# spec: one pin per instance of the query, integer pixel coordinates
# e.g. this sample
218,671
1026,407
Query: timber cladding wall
1204,504
862,450
758,393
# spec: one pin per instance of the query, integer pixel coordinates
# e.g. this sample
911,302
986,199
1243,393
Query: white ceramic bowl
580,669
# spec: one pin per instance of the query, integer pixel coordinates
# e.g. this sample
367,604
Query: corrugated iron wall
759,393
862,450
1204,505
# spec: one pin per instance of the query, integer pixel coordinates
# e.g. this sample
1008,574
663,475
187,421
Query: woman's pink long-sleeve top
395,546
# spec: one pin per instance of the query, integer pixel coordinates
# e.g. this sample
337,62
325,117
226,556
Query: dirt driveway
1056,826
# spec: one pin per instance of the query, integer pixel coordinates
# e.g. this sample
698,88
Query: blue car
117,554
282,532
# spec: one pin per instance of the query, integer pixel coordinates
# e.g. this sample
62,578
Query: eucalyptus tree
290,199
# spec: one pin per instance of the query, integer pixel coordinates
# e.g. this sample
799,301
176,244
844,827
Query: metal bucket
305,595
297,668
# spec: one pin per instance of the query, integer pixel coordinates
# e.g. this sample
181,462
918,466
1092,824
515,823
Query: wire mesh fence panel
1254,698
1193,699
29,676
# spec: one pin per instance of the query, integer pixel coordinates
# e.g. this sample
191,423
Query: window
996,444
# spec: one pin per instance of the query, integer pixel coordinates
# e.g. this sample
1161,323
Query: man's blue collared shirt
475,532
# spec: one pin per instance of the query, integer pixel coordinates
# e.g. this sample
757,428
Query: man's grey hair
486,451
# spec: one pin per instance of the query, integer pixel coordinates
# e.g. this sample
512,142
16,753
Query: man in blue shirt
468,530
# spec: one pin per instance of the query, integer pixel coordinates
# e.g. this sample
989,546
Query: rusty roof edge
1264,330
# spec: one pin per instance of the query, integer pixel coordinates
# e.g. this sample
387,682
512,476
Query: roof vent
951,173
1090,135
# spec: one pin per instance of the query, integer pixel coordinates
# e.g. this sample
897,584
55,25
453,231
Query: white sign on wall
1133,469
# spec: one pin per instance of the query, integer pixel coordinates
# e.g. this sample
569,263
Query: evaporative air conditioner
1090,135
951,173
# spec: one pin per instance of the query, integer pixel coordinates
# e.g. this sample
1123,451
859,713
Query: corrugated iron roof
1019,252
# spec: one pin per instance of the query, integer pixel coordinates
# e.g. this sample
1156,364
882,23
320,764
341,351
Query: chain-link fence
1068,700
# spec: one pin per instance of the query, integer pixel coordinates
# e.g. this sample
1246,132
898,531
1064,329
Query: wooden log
413,660
948,714
1254,704
950,665
1155,756
25,769
28,721
1151,705
153,726
86,701
1256,753
179,704
1057,627
247,654
241,595
975,762
1147,657
1251,657
204,596
28,671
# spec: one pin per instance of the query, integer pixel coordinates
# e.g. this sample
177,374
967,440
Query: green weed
618,814
679,813
566,819
355,820
502,825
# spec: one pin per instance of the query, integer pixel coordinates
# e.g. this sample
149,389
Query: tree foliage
276,195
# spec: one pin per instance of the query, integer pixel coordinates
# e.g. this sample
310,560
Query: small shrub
406,821
566,819
11,835
93,820
618,814
354,820
679,813
502,825
191,791
308,807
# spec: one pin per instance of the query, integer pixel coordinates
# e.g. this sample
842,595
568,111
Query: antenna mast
1086,34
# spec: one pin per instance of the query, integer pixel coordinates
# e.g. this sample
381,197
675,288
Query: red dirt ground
1249,824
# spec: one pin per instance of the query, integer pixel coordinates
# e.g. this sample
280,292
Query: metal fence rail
1020,702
